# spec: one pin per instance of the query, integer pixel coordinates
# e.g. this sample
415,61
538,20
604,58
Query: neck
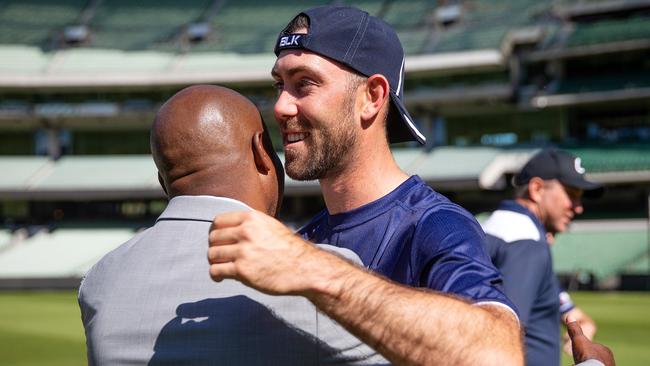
248,194
531,206
370,176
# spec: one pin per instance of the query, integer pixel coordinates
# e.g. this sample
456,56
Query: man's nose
285,107
577,206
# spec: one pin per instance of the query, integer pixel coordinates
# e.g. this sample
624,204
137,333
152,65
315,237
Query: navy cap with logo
560,165
365,44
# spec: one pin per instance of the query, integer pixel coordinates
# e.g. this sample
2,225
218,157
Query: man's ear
262,159
162,184
376,92
535,187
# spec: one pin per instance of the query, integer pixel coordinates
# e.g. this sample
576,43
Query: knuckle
247,231
211,237
212,255
214,272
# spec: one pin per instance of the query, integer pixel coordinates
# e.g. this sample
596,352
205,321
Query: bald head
210,140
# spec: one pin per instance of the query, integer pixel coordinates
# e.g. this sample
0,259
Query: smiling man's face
317,113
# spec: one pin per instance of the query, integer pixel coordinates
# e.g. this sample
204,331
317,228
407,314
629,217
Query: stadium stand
22,169
374,7
80,177
602,249
491,81
460,168
484,24
63,253
448,167
621,81
409,14
130,25
639,266
608,31
249,26
35,22
617,158
132,176
23,59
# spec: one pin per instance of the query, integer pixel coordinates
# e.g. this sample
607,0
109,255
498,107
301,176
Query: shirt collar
370,210
200,208
512,205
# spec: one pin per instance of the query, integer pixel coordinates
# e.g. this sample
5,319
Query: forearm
416,327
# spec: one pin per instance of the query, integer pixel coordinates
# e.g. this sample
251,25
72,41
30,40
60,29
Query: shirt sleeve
566,303
525,266
450,256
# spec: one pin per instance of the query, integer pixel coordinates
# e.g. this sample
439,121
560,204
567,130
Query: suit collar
200,208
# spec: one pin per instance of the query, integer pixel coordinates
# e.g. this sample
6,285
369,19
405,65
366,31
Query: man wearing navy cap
340,77
549,190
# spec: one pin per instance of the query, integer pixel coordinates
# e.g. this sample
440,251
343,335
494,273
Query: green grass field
44,328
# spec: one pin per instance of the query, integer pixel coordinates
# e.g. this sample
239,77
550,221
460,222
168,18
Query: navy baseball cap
365,44
560,165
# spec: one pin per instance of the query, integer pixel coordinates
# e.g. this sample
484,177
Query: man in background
549,191
151,301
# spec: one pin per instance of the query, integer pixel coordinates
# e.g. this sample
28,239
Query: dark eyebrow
291,71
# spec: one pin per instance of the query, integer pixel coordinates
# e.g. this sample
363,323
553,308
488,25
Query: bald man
151,301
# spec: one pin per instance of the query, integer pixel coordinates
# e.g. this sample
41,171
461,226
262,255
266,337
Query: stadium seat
130,25
409,14
610,31
601,252
373,7
615,158
35,22
248,26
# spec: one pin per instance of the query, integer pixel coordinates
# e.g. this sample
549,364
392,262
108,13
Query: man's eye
302,83
278,85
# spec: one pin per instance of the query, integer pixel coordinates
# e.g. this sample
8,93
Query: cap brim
590,189
401,127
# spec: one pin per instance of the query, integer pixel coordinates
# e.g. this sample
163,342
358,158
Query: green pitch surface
44,328
41,328
623,321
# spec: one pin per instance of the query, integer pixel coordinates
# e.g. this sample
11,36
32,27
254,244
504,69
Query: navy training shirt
516,243
417,237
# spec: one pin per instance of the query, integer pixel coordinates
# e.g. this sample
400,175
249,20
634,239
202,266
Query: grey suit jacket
151,301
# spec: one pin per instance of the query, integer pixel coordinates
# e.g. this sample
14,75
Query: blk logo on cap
289,41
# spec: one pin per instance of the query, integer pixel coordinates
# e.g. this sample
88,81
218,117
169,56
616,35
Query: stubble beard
330,149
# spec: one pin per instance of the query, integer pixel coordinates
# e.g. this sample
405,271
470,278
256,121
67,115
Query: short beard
338,140
325,160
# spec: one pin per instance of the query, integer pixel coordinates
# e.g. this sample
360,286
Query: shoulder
446,230
109,262
446,220
520,257
511,226
310,228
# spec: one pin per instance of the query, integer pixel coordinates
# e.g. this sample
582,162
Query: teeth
293,137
